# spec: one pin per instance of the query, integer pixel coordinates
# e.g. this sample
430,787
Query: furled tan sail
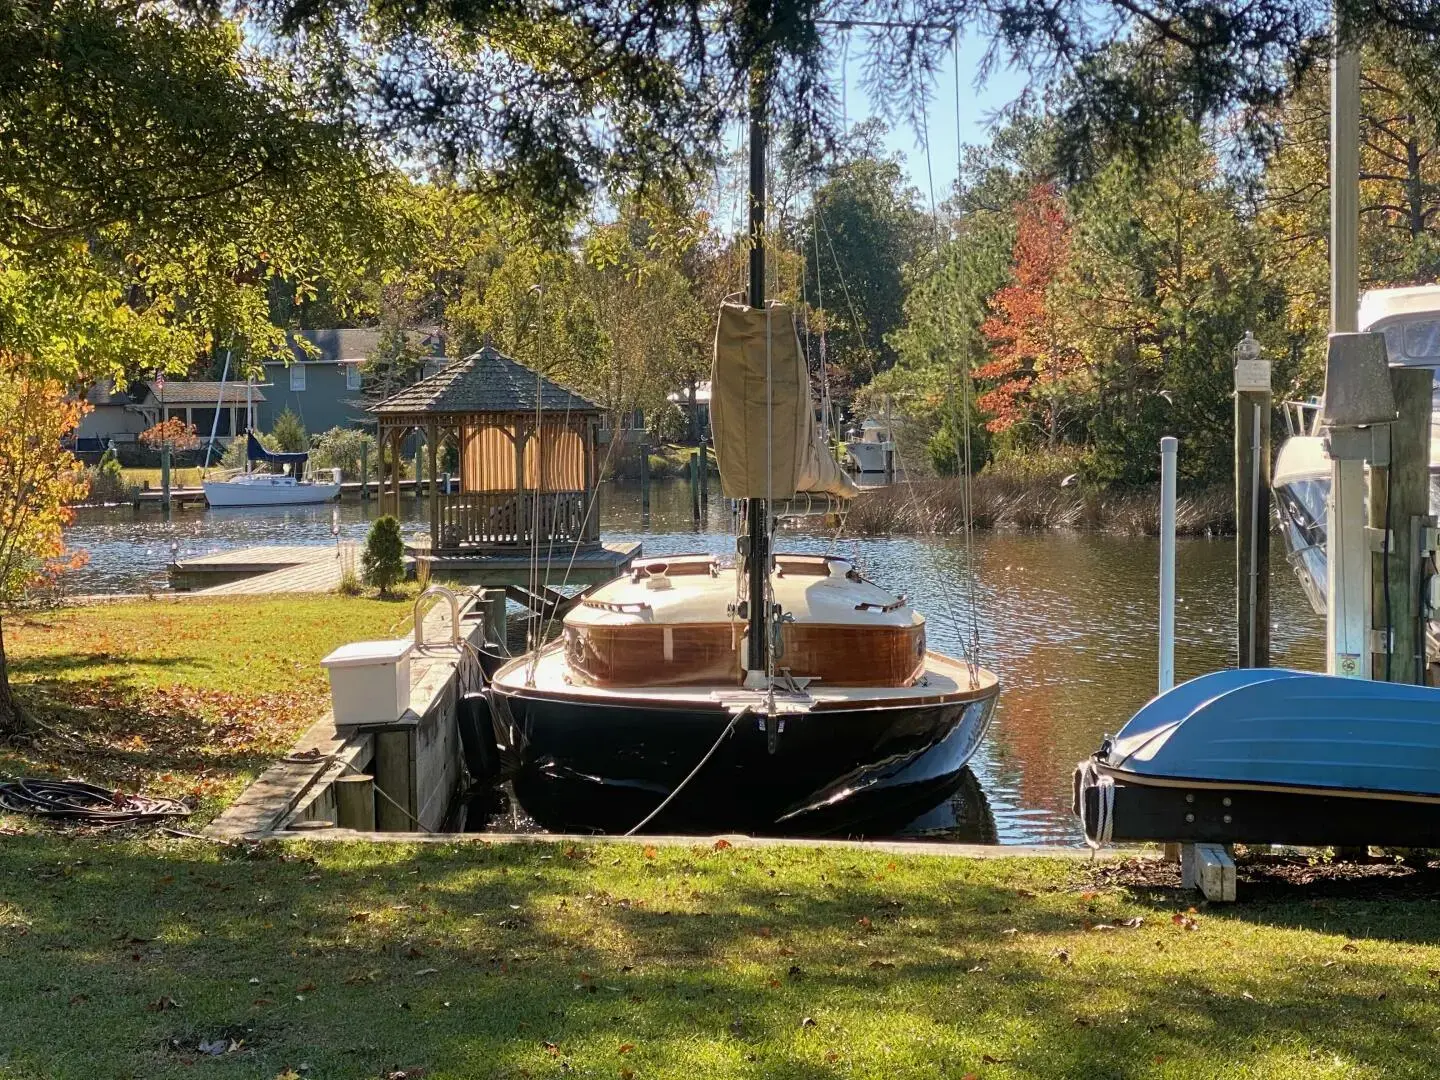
799,460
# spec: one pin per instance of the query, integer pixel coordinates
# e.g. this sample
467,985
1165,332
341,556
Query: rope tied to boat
729,730
1098,832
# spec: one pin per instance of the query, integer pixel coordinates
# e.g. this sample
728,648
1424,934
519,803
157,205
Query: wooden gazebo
526,451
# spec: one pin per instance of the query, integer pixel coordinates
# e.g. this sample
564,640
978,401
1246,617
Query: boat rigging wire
87,804
729,730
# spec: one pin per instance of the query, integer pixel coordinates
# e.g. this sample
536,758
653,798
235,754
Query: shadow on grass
79,667
515,961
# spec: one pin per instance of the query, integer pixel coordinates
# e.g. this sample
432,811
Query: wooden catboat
862,722
1268,755
781,693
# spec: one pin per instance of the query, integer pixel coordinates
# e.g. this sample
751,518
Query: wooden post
394,777
417,465
432,440
355,802
704,475
695,485
645,481
493,605
1398,508
1252,505
165,477
364,472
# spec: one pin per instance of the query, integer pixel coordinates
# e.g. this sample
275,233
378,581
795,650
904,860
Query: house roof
105,394
486,381
352,344
183,392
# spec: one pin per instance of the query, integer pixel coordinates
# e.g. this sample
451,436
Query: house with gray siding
325,388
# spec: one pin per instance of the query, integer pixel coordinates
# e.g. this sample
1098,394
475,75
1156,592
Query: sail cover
800,462
257,452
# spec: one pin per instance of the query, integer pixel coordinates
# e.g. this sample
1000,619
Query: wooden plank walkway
309,568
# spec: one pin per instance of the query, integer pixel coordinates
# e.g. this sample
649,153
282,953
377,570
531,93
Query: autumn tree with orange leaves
39,480
1032,369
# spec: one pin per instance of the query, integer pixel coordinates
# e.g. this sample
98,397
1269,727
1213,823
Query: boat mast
757,513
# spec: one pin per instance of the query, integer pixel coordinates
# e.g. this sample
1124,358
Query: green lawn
471,960
120,957
179,697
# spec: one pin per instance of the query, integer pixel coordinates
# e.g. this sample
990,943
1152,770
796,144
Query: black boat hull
1213,813
597,766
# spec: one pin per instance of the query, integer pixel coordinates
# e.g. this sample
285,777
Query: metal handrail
437,590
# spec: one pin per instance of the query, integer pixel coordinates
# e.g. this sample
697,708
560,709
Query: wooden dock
180,497
316,568
309,568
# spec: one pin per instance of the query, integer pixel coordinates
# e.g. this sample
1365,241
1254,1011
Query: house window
352,376
297,376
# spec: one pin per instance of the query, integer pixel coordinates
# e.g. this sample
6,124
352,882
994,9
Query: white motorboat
1410,320
870,452
271,488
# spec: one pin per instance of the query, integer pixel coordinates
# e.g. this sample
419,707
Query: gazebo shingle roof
487,381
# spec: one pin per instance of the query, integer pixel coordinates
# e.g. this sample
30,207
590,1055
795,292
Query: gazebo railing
508,519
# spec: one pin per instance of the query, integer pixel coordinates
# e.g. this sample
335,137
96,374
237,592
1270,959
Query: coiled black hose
75,800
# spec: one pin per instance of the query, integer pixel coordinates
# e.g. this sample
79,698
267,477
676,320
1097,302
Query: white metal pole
1169,447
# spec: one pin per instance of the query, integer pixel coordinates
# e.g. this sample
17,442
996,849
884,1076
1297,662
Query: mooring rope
729,729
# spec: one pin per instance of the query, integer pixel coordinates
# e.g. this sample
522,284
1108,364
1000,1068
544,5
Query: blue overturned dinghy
1267,755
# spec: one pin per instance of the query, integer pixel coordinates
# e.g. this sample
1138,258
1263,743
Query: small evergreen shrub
384,556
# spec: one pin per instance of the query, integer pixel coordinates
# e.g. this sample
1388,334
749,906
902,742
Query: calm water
1067,620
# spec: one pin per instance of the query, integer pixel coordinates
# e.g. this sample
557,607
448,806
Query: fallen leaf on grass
552,1049
722,844
162,1003
627,1074
305,988
808,1022
1063,955
414,1072
831,1056
649,852
427,971
263,1001
881,964
987,1059
863,922
1185,920
1010,930
359,916
79,999
1349,946
1124,924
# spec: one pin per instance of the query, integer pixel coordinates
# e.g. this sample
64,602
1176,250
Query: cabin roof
485,382
1378,306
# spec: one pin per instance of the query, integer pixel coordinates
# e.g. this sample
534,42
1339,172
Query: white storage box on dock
369,681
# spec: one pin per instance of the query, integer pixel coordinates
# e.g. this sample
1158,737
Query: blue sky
977,108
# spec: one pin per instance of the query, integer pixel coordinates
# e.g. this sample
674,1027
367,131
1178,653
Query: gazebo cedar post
432,439
590,530
522,515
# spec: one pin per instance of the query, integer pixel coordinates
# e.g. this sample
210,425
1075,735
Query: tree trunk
12,721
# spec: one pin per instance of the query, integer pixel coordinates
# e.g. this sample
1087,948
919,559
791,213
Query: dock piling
1252,504
394,774
644,480
364,471
355,802
1169,447
695,486
1397,513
